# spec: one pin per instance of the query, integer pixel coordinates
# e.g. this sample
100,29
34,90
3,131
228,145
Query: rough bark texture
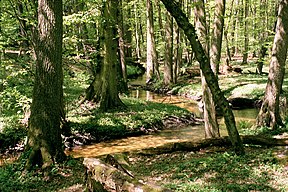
216,37
112,174
109,91
152,63
44,135
269,114
211,124
104,88
189,30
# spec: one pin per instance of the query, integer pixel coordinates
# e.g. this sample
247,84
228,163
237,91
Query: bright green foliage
139,115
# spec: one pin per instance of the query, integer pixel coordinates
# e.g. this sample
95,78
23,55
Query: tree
121,52
246,38
217,34
44,134
269,114
104,87
168,63
189,30
210,120
152,63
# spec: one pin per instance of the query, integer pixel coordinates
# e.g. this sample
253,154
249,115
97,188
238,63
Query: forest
143,95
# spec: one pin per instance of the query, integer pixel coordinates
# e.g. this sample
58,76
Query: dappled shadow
205,171
230,89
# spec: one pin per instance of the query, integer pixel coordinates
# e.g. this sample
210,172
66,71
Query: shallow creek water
189,133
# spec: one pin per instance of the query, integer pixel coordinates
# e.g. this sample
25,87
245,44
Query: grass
61,176
207,170
258,170
139,116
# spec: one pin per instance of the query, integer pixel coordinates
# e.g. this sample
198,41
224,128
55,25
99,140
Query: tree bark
109,91
217,34
269,114
168,63
189,30
209,112
44,135
246,38
122,78
152,63
137,36
104,88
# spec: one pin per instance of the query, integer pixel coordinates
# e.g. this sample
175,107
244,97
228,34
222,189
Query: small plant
244,124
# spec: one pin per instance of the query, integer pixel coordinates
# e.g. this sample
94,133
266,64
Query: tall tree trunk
269,114
128,33
104,88
226,30
235,25
173,7
263,37
122,56
217,34
246,38
177,53
137,36
168,63
152,63
210,120
109,91
44,135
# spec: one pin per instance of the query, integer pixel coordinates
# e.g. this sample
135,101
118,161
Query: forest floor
211,169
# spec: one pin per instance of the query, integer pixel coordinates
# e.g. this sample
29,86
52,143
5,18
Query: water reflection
189,133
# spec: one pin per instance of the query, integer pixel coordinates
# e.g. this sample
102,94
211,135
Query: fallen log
112,175
214,142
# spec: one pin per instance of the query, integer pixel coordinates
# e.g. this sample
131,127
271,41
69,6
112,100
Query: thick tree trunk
210,120
104,88
189,30
109,91
269,114
44,135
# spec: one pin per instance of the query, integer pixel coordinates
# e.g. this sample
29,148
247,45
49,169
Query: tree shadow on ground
221,171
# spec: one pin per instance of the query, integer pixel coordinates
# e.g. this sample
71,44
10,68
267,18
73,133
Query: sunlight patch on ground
248,90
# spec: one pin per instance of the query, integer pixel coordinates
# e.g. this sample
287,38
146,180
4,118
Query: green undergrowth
205,171
59,177
247,84
138,117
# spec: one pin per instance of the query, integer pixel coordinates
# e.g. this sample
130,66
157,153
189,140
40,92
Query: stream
188,133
